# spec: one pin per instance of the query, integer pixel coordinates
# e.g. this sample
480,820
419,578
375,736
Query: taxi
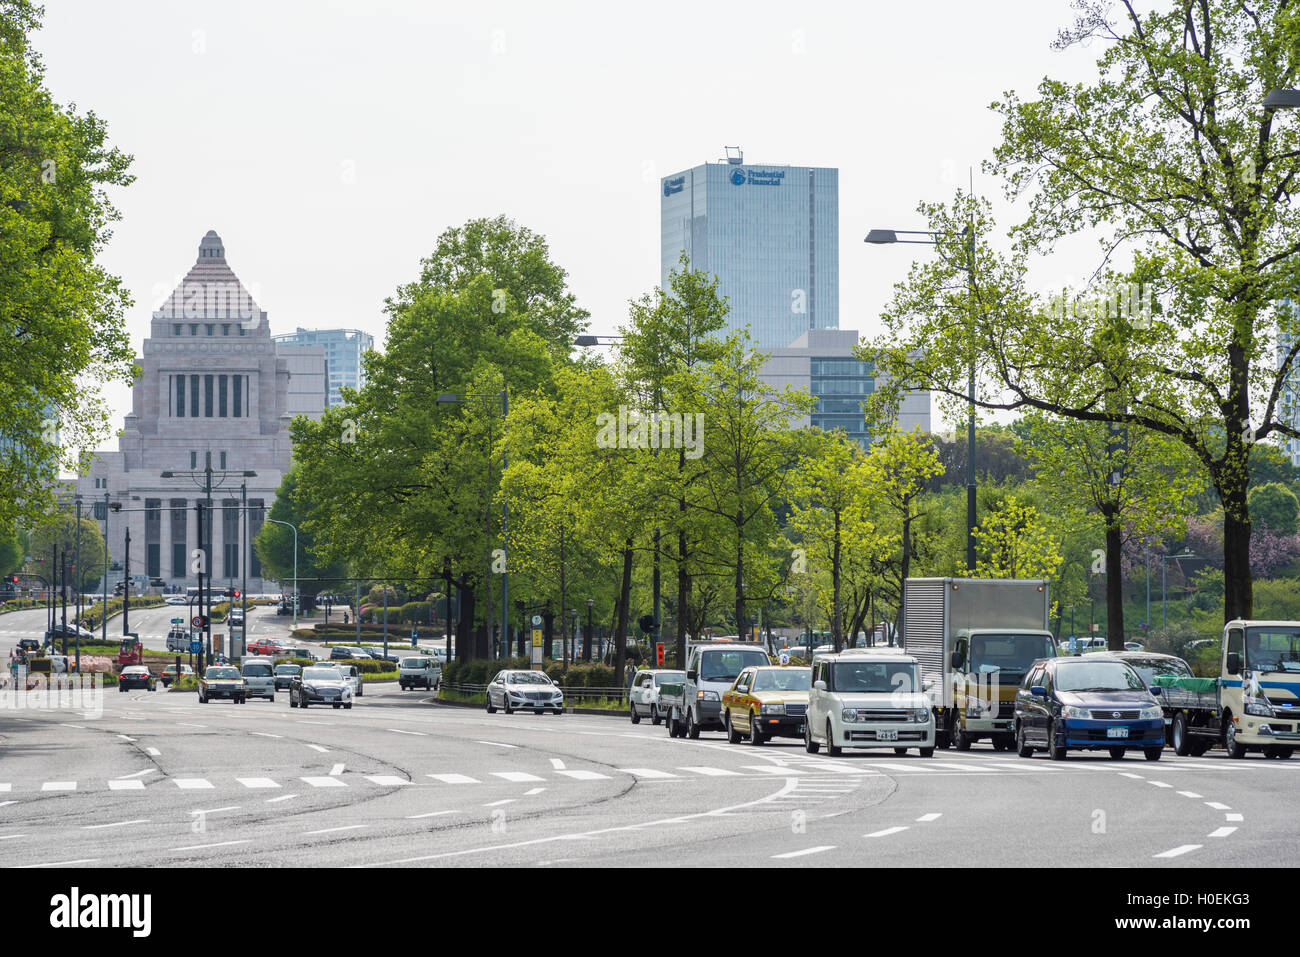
767,701
222,681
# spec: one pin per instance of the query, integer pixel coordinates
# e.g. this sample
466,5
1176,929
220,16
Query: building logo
757,177
674,185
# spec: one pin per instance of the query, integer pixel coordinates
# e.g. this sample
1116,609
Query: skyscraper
771,236
344,349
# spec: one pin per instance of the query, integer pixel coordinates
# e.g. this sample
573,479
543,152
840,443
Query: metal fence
572,696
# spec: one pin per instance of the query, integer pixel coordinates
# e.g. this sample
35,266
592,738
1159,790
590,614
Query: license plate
1117,732
886,735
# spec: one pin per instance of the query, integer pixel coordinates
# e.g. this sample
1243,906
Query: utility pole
76,568
126,577
103,625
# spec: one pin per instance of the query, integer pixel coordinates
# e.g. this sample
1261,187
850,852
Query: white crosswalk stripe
710,772
651,773
455,778
134,784
584,775
518,777
257,782
193,784
319,782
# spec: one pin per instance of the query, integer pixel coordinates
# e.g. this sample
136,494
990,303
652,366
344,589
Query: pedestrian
345,618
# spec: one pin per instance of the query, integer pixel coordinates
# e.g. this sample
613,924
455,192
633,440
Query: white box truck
975,638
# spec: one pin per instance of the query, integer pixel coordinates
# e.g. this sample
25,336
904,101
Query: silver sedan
513,691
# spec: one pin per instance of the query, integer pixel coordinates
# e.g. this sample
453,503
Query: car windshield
1008,654
874,677
1084,675
726,665
257,671
221,673
1148,668
322,674
528,678
783,679
670,677
1273,648
415,662
287,669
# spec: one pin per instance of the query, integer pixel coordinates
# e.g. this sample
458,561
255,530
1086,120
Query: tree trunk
564,606
1238,591
1114,587
740,577
465,648
837,624
683,595
620,634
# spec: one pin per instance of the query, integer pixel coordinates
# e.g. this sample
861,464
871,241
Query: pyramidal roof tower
211,291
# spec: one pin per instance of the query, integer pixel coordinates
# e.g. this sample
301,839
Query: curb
467,704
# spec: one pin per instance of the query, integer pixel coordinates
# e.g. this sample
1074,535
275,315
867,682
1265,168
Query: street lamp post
1164,597
586,639
77,580
276,521
889,236
103,625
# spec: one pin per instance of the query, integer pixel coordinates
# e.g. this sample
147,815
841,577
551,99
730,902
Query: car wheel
293,702
654,714
670,723
337,706
900,751
348,706
487,696
755,730
361,691
505,704
1283,754
1152,754
1178,736
1053,752
927,752
960,740
833,749
1116,754
428,685
733,736
692,729
1235,749
121,688
1023,748
636,718
809,745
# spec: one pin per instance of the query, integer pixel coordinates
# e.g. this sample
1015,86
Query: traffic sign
178,621
537,621
199,621
196,647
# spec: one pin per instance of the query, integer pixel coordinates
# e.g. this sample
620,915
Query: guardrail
572,695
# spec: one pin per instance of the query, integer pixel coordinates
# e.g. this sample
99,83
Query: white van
259,677
871,698
419,671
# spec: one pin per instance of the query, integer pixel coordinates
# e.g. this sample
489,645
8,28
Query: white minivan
259,677
868,698
419,671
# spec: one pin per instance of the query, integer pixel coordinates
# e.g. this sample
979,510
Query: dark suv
1087,703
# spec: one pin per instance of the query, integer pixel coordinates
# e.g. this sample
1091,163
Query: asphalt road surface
158,779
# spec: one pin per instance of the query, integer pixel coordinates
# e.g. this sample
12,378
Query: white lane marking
454,778
1159,784
1217,806
1130,774
257,782
806,851
5,788
193,784
886,832
266,734
124,737
59,786
135,774
1189,794
416,817
646,772
10,837
386,780
1221,832
336,770
152,752
926,818
557,764
769,769
7,803
418,734
324,782
202,847
283,797
142,820
84,860
218,810
332,830
1233,817
317,747
79,727
498,744
711,772
499,803
517,777
119,785
584,775
187,724
1180,850
533,791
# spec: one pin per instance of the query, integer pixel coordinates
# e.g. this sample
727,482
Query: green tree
58,534
61,311
1275,507
11,551
1014,542
275,543
1171,158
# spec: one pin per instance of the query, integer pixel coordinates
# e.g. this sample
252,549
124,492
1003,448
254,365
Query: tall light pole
76,567
888,236
103,625
276,521
1164,597
504,396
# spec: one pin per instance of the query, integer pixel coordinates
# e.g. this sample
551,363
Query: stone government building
213,381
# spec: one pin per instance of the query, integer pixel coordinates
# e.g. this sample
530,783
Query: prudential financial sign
757,177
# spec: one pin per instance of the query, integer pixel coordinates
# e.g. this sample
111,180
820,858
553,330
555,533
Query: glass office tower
771,236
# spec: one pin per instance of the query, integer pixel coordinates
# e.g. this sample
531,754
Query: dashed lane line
1180,850
98,827
804,853
886,832
334,830
1221,832
926,818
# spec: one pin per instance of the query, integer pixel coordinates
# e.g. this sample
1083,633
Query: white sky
329,142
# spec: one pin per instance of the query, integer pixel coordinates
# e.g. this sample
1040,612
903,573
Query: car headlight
707,696
1154,711
1259,707
777,708
849,715
921,715
1070,711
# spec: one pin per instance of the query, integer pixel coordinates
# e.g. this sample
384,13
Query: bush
413,612
481,670
185,683
94,616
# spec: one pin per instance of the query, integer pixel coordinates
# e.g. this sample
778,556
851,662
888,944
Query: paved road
161,780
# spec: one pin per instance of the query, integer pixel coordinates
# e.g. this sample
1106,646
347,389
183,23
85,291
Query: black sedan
136,676
284,675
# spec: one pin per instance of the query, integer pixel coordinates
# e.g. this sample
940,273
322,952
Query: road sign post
537,643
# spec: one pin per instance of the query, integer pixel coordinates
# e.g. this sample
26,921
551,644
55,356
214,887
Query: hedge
481,670
94,616
365,666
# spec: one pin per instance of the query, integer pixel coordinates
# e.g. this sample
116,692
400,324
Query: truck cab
988,665
1259,687
695,705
